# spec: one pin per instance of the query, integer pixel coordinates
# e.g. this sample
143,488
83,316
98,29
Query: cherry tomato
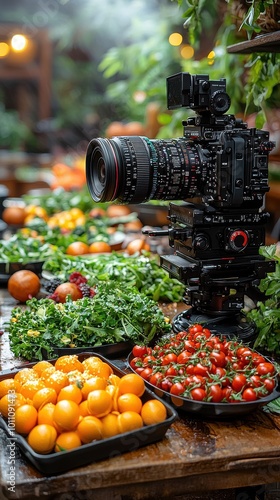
148,360
200,369
195,328
171,371
146,373
218,358
238,382
227,392
249,394
269,384
183,357
156,379
216,393
166,384
255,381
265,368
169,358
198,394
139,350
135,362
177,389
189,345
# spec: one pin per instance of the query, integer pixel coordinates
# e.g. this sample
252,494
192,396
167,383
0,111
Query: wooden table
195,456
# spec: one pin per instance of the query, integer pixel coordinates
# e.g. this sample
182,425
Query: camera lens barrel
134,169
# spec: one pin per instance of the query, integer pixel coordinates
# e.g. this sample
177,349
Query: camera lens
137,169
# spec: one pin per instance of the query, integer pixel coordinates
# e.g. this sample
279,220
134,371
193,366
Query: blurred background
71,71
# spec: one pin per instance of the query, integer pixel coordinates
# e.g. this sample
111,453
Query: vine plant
249,18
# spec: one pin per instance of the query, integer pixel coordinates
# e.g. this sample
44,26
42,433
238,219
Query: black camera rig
219,168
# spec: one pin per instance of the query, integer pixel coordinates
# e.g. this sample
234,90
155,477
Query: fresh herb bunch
267,314
116,313
141,272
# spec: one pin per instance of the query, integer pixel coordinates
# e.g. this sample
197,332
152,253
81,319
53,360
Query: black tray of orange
57,463
112,351
209,409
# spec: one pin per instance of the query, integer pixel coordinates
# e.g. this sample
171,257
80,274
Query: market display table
194,456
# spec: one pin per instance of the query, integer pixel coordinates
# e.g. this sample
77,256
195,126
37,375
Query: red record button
238,240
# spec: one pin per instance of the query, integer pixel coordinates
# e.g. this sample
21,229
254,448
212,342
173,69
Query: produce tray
9,268
108,350
57,463
205,409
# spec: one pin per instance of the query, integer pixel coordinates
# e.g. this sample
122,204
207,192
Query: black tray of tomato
205,374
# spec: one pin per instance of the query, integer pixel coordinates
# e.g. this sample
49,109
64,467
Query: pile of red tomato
201,366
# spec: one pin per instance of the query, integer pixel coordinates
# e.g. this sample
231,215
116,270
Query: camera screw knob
238,240
201,242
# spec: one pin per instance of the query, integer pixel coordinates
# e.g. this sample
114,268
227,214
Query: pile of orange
64,405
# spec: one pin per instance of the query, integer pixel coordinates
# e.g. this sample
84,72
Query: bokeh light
4,49
18,42
187,52
175,39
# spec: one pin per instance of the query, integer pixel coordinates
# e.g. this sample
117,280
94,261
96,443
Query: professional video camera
220,170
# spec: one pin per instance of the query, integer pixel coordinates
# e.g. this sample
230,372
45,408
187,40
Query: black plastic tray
57,463
9,268
107,350
207,409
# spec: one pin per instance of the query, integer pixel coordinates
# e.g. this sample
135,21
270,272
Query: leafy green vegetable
141,272
267,314
20,248
273,406
116,313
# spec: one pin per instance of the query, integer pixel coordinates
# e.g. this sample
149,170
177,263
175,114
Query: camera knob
238,240
201,242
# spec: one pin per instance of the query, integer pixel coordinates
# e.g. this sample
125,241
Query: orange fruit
118,210
90,429
99,368
71,393
41,366
77,248
42,438
24,285
99,247
47,372
129,402
14,215
44,396
45,414
91,362
110,425
66,415
83,408
153,412
10,402
132,383
137,246
114,392
30,387
129,421
114,379
99,403
67,441
92,384
57,380
68,289
6,385
25,374
68,363
25,418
